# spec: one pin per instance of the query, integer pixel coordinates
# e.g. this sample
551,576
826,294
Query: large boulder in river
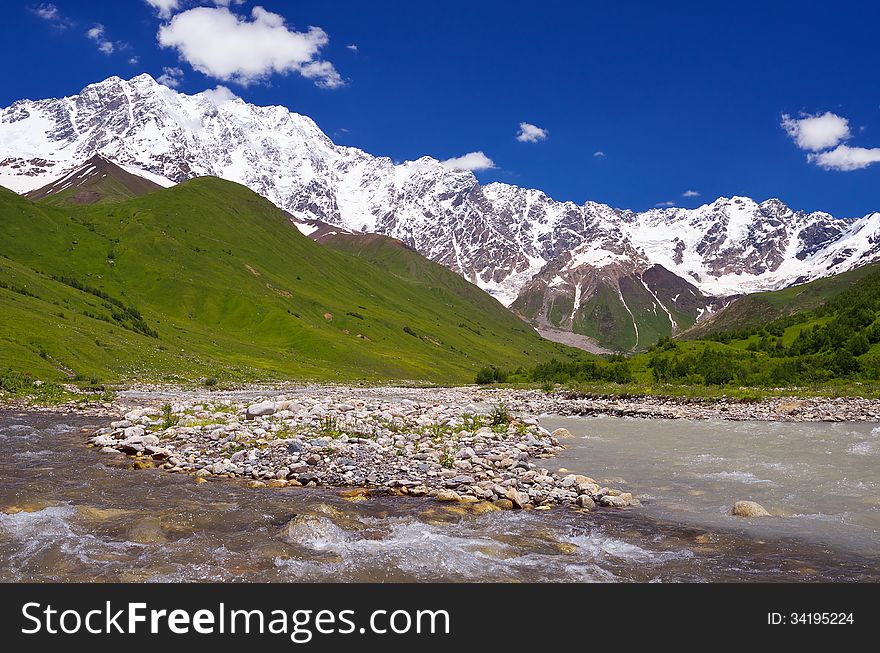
749,509
561,434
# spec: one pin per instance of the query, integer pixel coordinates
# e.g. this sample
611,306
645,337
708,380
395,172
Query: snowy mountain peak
499,236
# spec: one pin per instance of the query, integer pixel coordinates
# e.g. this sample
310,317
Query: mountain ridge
96,180
503,238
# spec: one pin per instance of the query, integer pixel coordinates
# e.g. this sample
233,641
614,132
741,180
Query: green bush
489,375
15,382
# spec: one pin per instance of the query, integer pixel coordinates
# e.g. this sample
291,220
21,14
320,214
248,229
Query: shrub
489,375
500,416
167,418
15,382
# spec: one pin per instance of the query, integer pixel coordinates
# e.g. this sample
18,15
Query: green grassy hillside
825,338
209,279
758,309
408,265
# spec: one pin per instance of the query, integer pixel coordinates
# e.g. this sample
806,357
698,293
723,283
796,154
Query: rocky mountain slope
512,242
97,180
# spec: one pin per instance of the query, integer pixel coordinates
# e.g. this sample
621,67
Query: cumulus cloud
232,48
816,132
824,137
473,161
846,158
690,193
99,36
529,133
171,77
599,154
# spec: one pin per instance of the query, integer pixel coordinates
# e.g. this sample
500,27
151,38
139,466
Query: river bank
792,408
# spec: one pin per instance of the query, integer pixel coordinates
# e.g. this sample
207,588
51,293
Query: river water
72,514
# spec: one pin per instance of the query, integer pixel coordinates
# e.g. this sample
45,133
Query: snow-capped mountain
506,239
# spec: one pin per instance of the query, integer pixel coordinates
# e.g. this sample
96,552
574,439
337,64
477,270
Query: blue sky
677,96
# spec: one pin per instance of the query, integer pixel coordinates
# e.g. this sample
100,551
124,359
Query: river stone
461,479
104,441
749,509
133,432
561,433
610,501
448,495
147,531
516,497
261,409
504,504
308,528
585,502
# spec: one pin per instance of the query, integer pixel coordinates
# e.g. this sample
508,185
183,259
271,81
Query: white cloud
52,15
99,36
665,205
846,158
599,154
219,95
353,47
134,60
529,133
164,8
474,161
817,132
171,77
690,193
221,44
47,11
824,136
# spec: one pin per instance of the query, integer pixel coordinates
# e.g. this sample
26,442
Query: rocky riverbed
457,452
535,402
470,445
